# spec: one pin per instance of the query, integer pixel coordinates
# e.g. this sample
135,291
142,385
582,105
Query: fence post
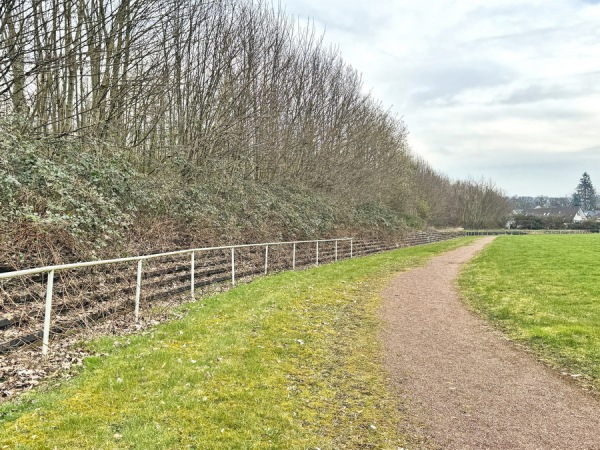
48,313
351,247
138,290
192,275
336,249
233,266
266,259
294,257
317,253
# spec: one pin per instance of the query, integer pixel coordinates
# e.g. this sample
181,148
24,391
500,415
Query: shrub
55,182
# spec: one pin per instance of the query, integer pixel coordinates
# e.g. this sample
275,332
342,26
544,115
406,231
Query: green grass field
543,291
288,361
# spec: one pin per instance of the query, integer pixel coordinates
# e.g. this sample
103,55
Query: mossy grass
543,291
288,361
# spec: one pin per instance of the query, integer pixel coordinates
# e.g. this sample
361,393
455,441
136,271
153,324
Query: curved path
470,387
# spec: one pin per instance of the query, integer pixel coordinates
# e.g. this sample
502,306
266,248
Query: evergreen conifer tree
585,194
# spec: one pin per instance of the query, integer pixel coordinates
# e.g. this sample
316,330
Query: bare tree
229,88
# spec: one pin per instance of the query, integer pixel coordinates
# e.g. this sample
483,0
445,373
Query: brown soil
468,386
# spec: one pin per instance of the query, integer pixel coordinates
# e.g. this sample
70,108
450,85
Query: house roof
552,212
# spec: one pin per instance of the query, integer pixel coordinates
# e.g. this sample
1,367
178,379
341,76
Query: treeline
529,222
584,197
229,86
190,92
542,201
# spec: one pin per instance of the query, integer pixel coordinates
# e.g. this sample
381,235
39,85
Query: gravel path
469,387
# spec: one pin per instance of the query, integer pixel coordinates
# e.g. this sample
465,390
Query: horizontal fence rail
523,232
42,303
200,266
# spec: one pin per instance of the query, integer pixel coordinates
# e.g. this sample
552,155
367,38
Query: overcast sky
501,89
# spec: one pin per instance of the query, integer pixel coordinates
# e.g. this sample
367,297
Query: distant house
571,215
593,215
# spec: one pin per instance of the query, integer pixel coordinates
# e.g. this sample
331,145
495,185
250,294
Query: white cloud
503,89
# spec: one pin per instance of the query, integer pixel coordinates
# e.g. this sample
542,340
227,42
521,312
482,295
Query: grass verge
288,361
543,291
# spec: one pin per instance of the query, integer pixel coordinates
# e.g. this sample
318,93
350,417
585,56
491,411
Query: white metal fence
42,303
521,232
333,253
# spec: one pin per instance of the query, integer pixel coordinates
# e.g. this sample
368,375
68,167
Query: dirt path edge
464,384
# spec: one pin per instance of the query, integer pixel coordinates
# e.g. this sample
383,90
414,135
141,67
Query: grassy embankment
288,361
543,291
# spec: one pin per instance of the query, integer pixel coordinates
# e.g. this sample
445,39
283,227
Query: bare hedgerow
229,90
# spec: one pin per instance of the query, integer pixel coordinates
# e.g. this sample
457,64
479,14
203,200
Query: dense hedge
526,222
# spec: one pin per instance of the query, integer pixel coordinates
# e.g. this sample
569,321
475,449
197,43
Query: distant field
288,361
543,291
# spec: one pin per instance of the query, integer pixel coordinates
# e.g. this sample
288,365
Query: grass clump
543,291
288,361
